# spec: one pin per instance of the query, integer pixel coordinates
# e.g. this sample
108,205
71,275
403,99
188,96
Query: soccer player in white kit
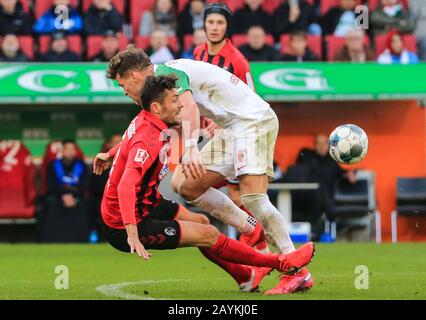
244,149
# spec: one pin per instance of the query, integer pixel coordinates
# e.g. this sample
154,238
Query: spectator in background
66,177
396,52
159,51
294,15
48,23
101,16
250,15
391,14
340,19
256,49
13,19
59,51
162,16
298,50
355,50
418,11
97,186
199,37
110,46
10,50
316,165
191,18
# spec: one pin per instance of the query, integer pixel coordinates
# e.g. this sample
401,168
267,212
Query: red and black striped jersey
145,147
228,58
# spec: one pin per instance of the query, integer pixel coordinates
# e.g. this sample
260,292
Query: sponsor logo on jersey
141,156
170,231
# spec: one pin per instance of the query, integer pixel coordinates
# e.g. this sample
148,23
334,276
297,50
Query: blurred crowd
264,30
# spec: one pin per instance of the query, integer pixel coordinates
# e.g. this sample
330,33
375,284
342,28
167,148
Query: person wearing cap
109,48
59,51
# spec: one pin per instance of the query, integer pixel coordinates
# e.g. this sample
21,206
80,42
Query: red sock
239,272
238,252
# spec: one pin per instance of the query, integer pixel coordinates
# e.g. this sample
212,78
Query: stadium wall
397,146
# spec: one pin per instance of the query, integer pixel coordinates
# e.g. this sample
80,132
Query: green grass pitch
100,272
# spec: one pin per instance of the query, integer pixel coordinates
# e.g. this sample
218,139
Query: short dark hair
127,59
154,89
69,140
298,33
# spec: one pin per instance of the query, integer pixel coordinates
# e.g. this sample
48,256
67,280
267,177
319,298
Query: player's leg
208,237
247,278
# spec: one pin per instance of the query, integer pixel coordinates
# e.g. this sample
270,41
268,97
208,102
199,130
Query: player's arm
127,200
191,160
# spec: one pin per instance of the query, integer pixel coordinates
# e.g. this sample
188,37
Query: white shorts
243,148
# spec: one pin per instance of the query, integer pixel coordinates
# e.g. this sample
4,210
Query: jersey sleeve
182,83
242,71
140,156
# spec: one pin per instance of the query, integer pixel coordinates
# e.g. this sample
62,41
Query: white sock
221,207
271,219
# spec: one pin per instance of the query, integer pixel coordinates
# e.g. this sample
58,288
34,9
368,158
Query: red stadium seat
143,42
74,43
26,43
41,6
120,5
372,4
336,43
25,5
94,44
314,43
137,7
187,41
408,39
241,39
327,4
17,187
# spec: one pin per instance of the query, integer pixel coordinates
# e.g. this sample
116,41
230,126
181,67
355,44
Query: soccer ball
348,144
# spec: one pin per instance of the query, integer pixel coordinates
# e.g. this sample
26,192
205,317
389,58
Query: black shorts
158,230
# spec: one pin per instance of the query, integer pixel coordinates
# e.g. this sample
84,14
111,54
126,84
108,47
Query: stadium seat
120,5
187,41
25,5
408,39
17,188
137,7
335,43
94,44
41,6
372,4
352,200
327,4
74,43
314,43
27,44
143,42
241,39
410,201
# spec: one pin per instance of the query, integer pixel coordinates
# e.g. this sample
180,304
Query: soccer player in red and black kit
220,51
136,216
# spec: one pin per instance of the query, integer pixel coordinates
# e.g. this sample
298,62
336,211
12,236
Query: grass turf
27,272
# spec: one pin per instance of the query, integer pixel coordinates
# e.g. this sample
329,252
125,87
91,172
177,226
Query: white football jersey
220,95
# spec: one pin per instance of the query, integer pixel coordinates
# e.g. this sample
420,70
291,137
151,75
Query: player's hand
137,246
192,164
101,163
134,242
210,128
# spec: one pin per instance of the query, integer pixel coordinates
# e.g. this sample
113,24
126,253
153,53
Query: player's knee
189,191
210,235
204,219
